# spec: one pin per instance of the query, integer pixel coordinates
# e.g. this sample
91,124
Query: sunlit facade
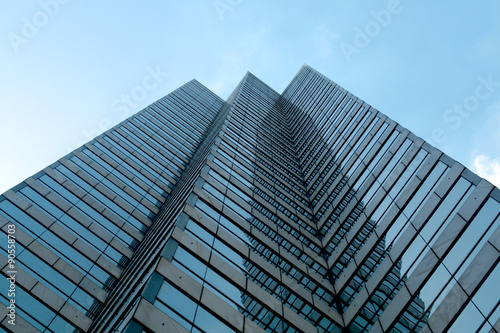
306,211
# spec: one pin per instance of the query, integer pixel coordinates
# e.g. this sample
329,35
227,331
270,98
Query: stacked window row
126,294
80,220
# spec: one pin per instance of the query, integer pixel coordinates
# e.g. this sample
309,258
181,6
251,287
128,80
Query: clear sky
71,69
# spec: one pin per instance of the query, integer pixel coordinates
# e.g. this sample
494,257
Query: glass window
187,260
469,320
477,233
14,214
487,297
61,325
199,233
225,288
33,308
27,261
37,200
176,304
226,252
208,323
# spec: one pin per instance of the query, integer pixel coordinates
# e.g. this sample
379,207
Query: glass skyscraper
306,211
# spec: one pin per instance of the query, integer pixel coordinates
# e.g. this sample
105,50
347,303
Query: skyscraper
306,211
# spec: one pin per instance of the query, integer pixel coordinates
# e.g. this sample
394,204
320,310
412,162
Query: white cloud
324,39
488,168
494,108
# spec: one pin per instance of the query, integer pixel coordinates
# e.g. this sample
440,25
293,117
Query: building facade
306,211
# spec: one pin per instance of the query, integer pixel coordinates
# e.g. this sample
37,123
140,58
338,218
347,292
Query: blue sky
71,69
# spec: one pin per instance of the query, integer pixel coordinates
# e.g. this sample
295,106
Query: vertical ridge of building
147,254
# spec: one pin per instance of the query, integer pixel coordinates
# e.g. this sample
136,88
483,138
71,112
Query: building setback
306,211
